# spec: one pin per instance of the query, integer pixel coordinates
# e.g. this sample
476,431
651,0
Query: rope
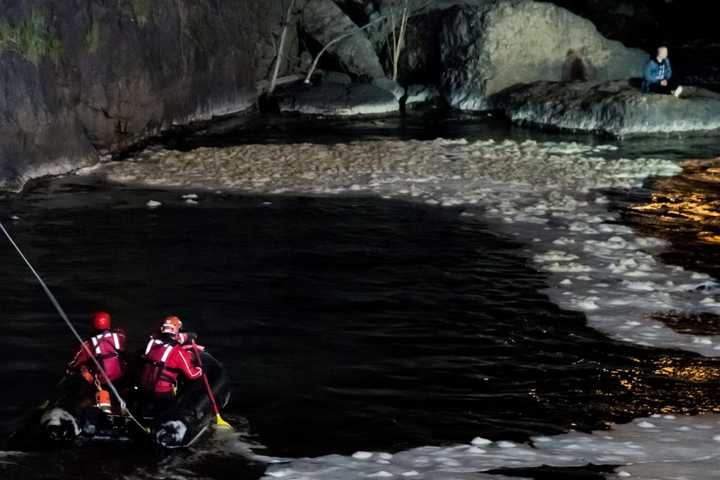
60,310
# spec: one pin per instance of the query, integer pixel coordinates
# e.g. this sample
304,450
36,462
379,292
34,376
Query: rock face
324,21
84,77
497,44
38,134
614,108
335,99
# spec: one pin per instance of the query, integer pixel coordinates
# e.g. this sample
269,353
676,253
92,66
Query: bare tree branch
399,38
336,40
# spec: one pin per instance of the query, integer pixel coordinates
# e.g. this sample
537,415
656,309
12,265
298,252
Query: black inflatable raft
73,417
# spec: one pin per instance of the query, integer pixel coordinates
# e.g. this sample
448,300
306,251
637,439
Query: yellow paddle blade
221,423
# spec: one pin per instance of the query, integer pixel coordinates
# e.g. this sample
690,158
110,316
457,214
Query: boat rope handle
56,304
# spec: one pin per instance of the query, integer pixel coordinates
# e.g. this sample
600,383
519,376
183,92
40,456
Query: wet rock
390,86
334,99
490,47
420,95
324,21
337,77
614,108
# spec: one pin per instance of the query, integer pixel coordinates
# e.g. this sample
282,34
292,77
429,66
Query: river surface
347,323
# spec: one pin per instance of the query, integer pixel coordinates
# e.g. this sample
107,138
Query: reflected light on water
693,383
690,201
698,373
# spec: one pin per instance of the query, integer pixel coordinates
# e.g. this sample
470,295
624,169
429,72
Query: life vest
157,376
106,348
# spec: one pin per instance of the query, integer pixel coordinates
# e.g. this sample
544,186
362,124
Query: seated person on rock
168,357
657,76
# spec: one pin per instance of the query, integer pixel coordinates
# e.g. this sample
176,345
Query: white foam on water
545,194
659,447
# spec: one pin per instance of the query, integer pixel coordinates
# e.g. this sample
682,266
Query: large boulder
335,99
494,45
324,21
613,108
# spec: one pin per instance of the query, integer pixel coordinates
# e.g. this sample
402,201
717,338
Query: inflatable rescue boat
74,416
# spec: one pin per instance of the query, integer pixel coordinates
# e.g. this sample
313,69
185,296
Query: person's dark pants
648,87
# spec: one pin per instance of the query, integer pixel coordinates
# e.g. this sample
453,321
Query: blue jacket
656,72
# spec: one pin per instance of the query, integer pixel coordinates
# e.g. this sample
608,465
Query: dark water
346,323
426,126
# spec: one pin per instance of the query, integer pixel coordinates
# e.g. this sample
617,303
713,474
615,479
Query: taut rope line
60,310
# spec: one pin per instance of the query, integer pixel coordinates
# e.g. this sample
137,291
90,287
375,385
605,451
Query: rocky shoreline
81,86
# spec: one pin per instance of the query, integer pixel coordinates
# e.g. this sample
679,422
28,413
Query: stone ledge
615,108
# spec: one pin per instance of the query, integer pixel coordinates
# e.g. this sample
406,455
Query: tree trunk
281,48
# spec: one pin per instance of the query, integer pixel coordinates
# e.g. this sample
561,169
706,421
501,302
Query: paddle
218,419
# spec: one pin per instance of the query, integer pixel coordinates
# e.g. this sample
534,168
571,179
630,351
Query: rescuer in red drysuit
107,346
167,357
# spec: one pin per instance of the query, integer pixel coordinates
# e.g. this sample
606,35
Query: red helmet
101,321
171,325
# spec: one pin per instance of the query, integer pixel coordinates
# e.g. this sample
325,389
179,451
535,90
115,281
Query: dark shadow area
249,129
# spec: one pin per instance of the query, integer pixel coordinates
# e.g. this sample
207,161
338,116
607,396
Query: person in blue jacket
657,77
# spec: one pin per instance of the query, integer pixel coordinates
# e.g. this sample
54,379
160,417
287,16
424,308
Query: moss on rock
143,11
92,37
31,37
